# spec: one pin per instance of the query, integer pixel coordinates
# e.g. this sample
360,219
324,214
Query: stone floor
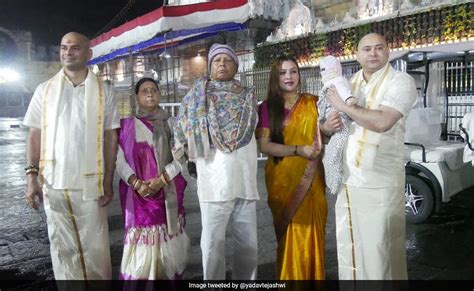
440,249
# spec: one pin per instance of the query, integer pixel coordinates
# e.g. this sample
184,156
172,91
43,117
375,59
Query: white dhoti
242,216
79,236
370,230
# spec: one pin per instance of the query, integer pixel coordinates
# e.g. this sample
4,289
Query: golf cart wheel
419,199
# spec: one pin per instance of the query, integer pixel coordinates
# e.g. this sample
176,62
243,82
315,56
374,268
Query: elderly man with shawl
71,147
370,208
215,129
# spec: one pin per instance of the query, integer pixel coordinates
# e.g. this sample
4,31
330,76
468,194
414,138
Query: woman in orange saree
289,133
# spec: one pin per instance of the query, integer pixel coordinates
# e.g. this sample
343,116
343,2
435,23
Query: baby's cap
330,68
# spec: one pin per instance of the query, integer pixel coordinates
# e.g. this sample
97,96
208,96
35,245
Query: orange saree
297,183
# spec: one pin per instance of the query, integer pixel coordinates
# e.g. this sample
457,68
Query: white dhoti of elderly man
370,208
71,157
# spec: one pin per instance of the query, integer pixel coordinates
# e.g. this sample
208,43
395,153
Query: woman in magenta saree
151,193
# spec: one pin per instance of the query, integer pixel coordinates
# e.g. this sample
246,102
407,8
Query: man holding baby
370,208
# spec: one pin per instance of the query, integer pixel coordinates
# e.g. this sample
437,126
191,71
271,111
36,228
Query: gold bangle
162,178
167,179
137,184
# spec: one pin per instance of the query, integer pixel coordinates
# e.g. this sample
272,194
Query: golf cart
434,149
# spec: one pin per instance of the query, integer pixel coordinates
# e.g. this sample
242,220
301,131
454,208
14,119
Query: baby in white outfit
331,74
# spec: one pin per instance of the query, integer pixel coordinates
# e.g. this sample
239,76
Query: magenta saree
150,252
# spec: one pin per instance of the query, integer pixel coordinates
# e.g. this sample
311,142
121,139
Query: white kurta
227,190
370,216
77,229
69,142
226,176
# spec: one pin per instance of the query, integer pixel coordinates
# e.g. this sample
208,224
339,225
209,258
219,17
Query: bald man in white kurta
370,208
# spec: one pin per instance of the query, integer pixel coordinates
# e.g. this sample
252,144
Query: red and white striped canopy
176,22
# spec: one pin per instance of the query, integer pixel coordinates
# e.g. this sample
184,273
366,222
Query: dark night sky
49,20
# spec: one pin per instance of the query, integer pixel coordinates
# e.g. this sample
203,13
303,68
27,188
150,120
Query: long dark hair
275,101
